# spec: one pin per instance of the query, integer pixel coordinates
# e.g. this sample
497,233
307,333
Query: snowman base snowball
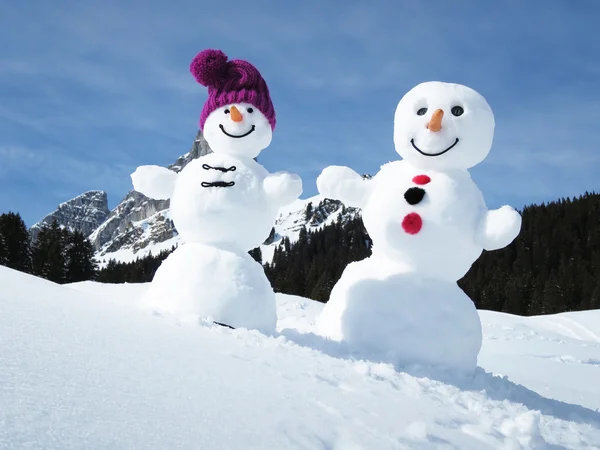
206,283
406,321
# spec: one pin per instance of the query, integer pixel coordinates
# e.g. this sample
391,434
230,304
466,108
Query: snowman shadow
326,346
494,387
500,388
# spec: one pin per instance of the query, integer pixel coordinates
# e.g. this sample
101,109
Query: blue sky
90,90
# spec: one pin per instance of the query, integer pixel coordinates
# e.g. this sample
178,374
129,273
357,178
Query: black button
414,195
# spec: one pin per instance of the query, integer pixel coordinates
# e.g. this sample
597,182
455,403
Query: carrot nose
435,123
236,115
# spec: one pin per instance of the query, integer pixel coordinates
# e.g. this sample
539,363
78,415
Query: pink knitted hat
229,82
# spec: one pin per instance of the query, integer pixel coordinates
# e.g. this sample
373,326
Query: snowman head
443,126
239,129
238,117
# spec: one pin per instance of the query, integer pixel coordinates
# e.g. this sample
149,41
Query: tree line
58,254
312,265
553,266
141,270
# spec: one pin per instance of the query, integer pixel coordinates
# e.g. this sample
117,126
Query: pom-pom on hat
235,81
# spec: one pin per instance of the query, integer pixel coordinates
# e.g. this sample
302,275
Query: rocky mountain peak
84,213
199,148
138,221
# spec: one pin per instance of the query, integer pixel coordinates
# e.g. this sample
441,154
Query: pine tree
49,259
79,255
141,270
3,251
514,302
595,298
256,254
555,261
16,241
308,212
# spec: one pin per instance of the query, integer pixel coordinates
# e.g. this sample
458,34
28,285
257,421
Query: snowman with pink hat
222,204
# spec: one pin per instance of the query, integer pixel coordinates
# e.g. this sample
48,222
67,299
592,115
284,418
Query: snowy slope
83,366
558,356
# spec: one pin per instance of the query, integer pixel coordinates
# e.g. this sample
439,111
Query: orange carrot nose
435,123
236,115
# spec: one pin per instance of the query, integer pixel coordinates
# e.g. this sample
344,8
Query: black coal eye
457,111
421,112
226,111
250,110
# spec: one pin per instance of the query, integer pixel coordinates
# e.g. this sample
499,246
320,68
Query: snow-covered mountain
312,213
156,233
138,225
138,222
84,213
87,366
127,222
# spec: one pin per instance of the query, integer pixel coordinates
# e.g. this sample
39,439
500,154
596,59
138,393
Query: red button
412,223
421,179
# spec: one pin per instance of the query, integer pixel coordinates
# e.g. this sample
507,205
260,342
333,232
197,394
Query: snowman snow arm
344,184
283,187
498,228
154,182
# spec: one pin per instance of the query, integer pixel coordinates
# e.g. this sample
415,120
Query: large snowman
222,204
429,223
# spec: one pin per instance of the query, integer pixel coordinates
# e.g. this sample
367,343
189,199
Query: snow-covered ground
84,366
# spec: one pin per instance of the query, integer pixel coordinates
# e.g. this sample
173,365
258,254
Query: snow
201,282
83,366
344,184
154,181
429,223
386,315
556,355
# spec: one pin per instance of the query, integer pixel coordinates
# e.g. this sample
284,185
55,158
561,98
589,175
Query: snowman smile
412,141
234,135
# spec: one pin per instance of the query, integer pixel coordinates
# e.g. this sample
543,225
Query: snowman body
435,236
220,200
429,223
402,304
221,210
